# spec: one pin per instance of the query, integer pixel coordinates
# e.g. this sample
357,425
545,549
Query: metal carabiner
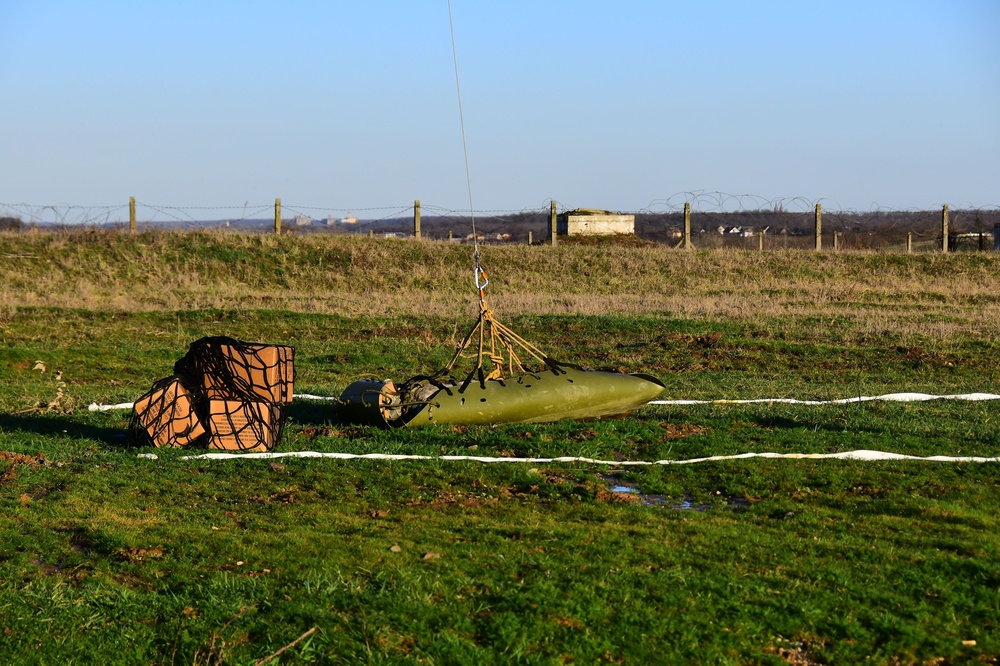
479,271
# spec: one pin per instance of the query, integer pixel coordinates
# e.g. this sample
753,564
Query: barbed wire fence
713,220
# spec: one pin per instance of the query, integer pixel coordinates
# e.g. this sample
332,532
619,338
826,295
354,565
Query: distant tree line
876,229
969,229
11,224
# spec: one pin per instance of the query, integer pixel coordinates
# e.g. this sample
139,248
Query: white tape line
888,397
94,407
846,455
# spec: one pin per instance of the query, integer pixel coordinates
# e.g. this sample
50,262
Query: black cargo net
166,416
224,394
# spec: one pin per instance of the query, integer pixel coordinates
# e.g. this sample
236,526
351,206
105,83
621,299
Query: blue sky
618,105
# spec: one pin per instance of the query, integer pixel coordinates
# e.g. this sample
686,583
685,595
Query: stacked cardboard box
167,414
262,373
228,394
242,426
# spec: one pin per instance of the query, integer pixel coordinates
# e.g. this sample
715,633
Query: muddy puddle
686,503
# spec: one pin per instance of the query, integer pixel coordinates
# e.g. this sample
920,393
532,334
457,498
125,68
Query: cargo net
224,394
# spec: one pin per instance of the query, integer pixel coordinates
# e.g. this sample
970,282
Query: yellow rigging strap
497,343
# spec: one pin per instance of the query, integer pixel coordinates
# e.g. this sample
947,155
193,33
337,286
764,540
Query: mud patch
468,501
624,491
21,459
46,567
796,653
136,555
8,472
681,431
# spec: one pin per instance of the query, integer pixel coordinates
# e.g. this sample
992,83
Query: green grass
110,558
849,560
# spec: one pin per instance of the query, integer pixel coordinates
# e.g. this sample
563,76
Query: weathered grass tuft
105,270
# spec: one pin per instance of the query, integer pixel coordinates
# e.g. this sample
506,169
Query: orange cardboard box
286,372
168,416
268,369
242,426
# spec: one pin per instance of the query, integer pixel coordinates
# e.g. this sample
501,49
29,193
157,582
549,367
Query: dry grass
942,296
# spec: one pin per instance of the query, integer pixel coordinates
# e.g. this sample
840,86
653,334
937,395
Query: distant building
350,219
590,222
743,232
303,220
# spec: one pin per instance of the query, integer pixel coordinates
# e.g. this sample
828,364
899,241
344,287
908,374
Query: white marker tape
846,455
94,407
888,397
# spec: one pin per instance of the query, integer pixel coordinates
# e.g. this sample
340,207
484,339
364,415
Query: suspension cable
501,340
480,277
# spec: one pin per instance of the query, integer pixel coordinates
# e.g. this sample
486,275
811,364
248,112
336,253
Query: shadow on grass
313,413
61,426
781,423
56,425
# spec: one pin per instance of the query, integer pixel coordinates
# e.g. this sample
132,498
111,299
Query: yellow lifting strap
496,343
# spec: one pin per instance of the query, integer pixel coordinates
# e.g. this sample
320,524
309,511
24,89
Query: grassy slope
834,561
362,276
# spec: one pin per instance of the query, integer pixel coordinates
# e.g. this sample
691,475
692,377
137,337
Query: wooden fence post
451,235
529,238
552,222
944,228
909,242
277,216
131,213
687,225
818,217
416,218
836,241
760,241
996,237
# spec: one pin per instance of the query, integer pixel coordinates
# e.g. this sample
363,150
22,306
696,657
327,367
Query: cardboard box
168,416
242,426
266,371
286,372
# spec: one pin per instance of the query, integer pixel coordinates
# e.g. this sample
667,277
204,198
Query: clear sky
614,104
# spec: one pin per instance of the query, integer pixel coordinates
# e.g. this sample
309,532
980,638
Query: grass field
113,559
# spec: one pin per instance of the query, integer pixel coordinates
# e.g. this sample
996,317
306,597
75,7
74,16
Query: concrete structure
333,221
589,222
